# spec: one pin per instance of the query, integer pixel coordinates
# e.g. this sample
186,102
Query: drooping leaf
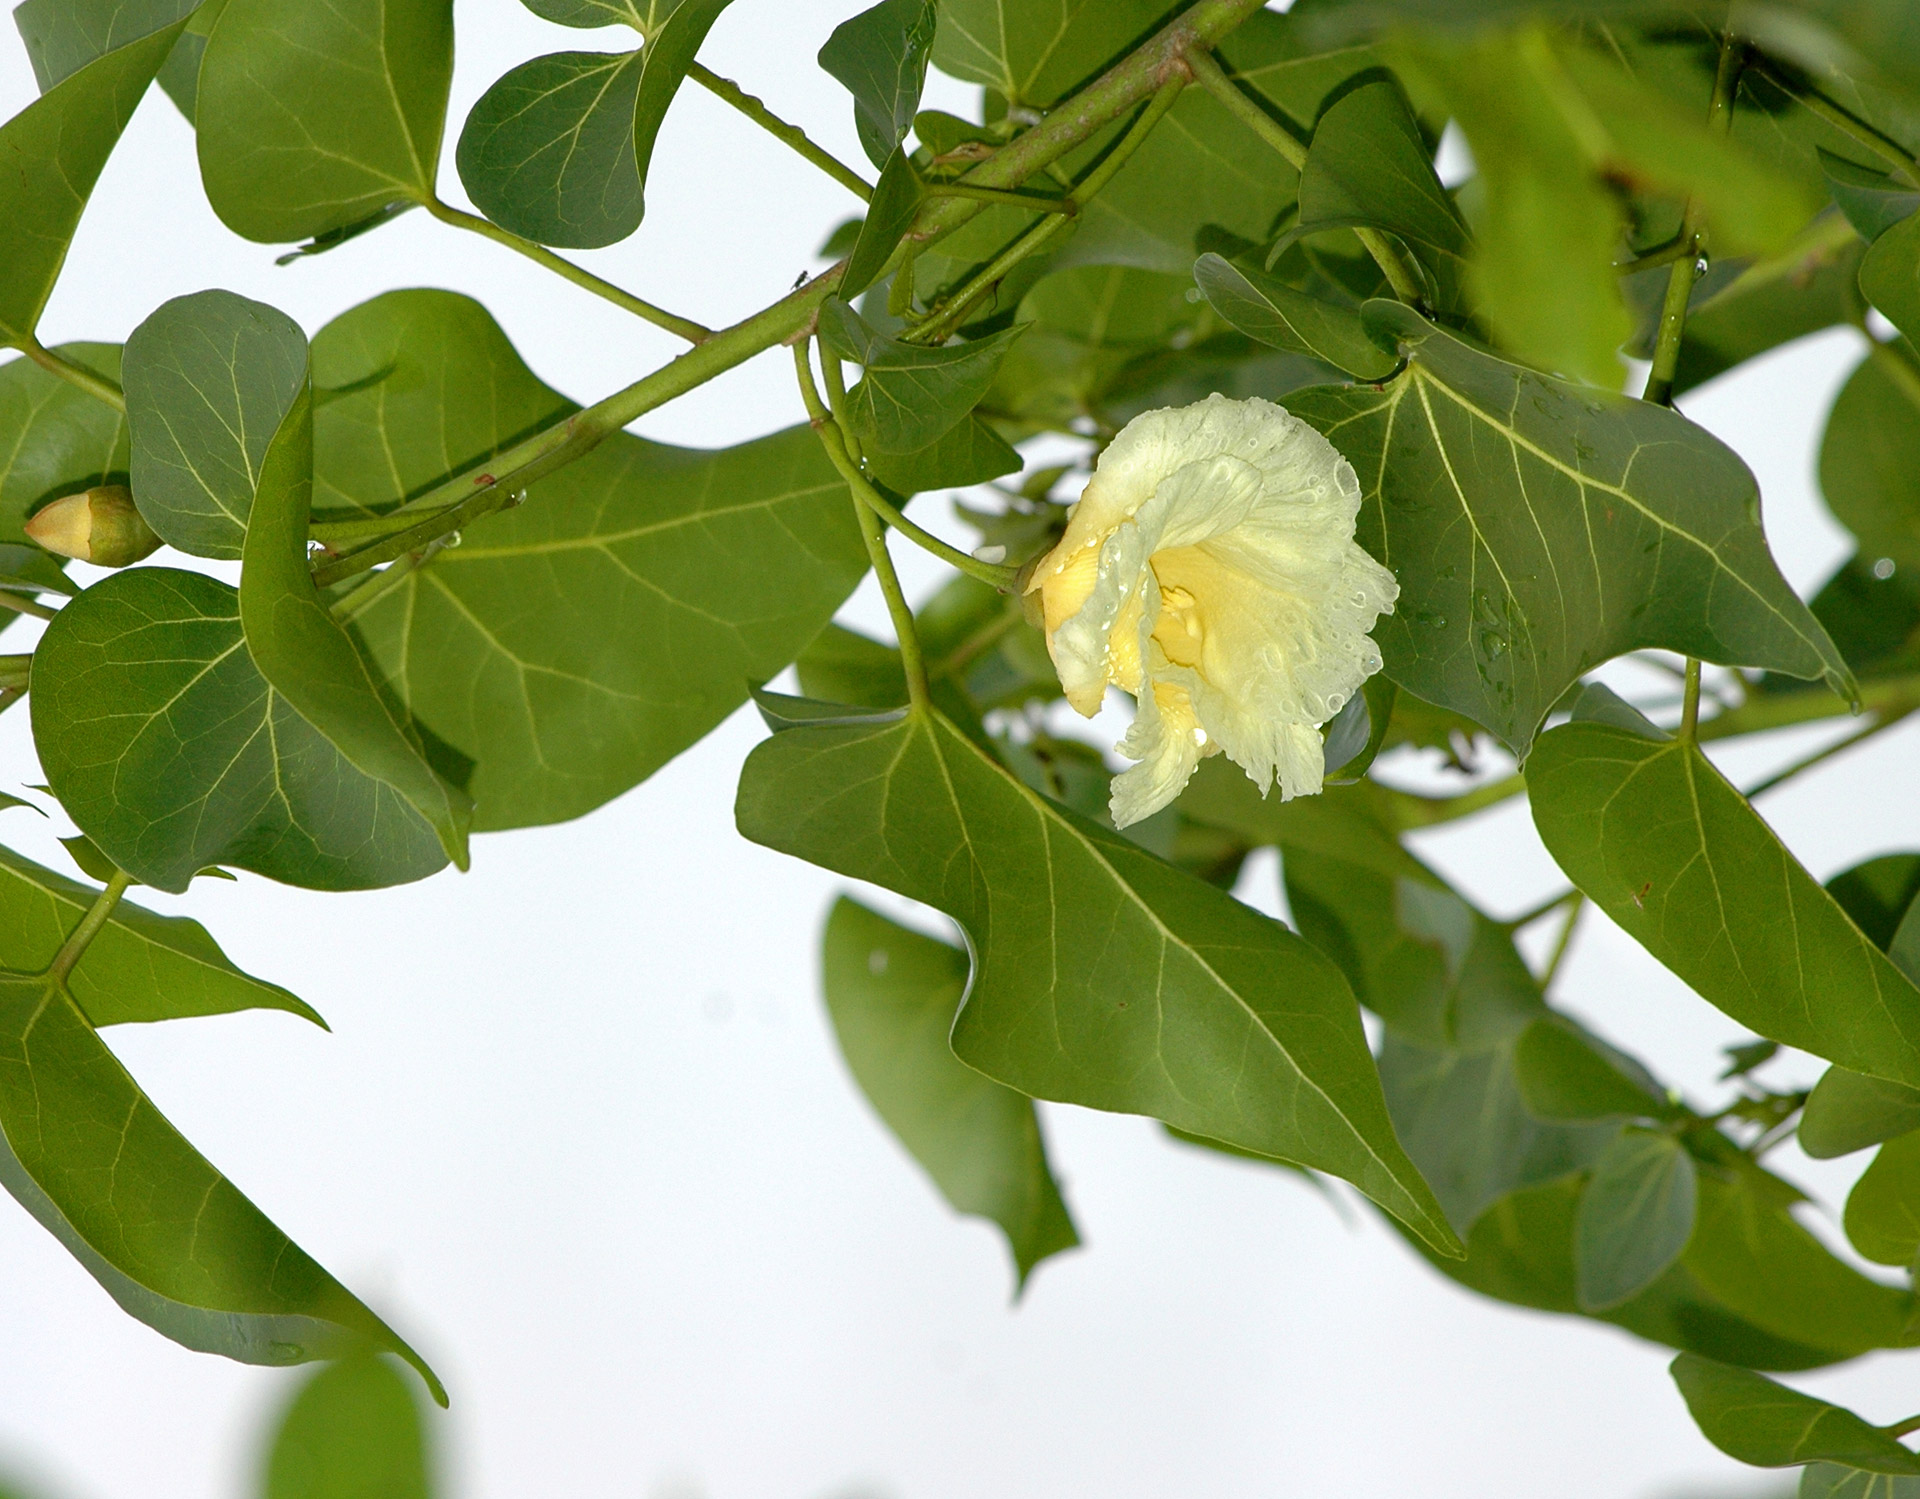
63,36
1761,1421
141,967
1883,1209
1035,54
308,658
55,149
1186,1006
896,198
893,995
208,378
1890,275
168,748
1661,843
1848,1111
1276,314
1870,459
353,1431
558,149
572,646
1538,529
911,395
316,115
1635,1218
881,56
55,439
166,1235
1368,164
970,452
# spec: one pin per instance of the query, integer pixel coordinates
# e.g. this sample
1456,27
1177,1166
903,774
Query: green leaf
557,150
1034,54
57,439
1883,1209
1890,275
573,645
644,16
1762,1422
208,378
970,452
896,198
1870,461
308,658
1568,1076
1369,164
1635,1218
63,36
893,994
169,750
881,57
1848,1111
352,1432
1105,977
1538,529
911,395
1830,1481
1877,894
28,570
1276,314
166,1235
1661,843
315,115
56,148
1872,201
141,967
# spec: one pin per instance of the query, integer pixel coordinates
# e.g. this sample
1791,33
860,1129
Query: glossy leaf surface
315,115
208,378
881,56
1762,1422
1660,842
352,1432
893,995
1538,529
166,1235
1274,313
168,748
142,966
1635,1218
58,439
572,646
1188,1007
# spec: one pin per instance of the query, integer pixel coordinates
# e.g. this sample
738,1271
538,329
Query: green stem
1781,777
362,530
1545,908
1903,1428
483,488
16,671
540,255
1760,713
936,328
9,696
352,604
1393,263
1001,195
1690,704
788,135
75,947
1564,944
19,604
97,386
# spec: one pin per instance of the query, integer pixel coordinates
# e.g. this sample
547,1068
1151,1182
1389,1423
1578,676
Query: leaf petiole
82,378
78,940
788,135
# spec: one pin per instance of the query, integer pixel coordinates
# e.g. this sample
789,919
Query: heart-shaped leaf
1635,1218
881,57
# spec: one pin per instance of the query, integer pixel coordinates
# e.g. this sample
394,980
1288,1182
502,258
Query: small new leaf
881,57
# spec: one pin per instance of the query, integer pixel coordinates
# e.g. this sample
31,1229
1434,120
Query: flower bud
101,526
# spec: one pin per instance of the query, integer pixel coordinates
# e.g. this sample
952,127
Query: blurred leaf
208,378
1890,275
1848,1111
60,440
572,646
1538,529
893,995
1829,1481
1762,1422
28,570
1883,1209
1034,55
1872,201
1870,458
896,198
63,36
1106,977
1369,164
1873,619
352,1432
970,452
881,57
1661,843
1635,1218
1744,1059
315,115
911,395
1276,314
304,653
166,1235
1877,894
141,967
1568,1076
167,748
56,148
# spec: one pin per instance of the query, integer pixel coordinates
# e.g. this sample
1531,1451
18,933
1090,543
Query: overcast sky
580,1129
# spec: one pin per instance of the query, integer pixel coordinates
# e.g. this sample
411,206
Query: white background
581,1131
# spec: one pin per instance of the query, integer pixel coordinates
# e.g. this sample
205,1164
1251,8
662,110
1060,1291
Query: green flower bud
101,526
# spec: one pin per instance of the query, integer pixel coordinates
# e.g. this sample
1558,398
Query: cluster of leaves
468,604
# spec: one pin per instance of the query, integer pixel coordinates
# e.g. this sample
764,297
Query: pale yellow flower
1210,569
